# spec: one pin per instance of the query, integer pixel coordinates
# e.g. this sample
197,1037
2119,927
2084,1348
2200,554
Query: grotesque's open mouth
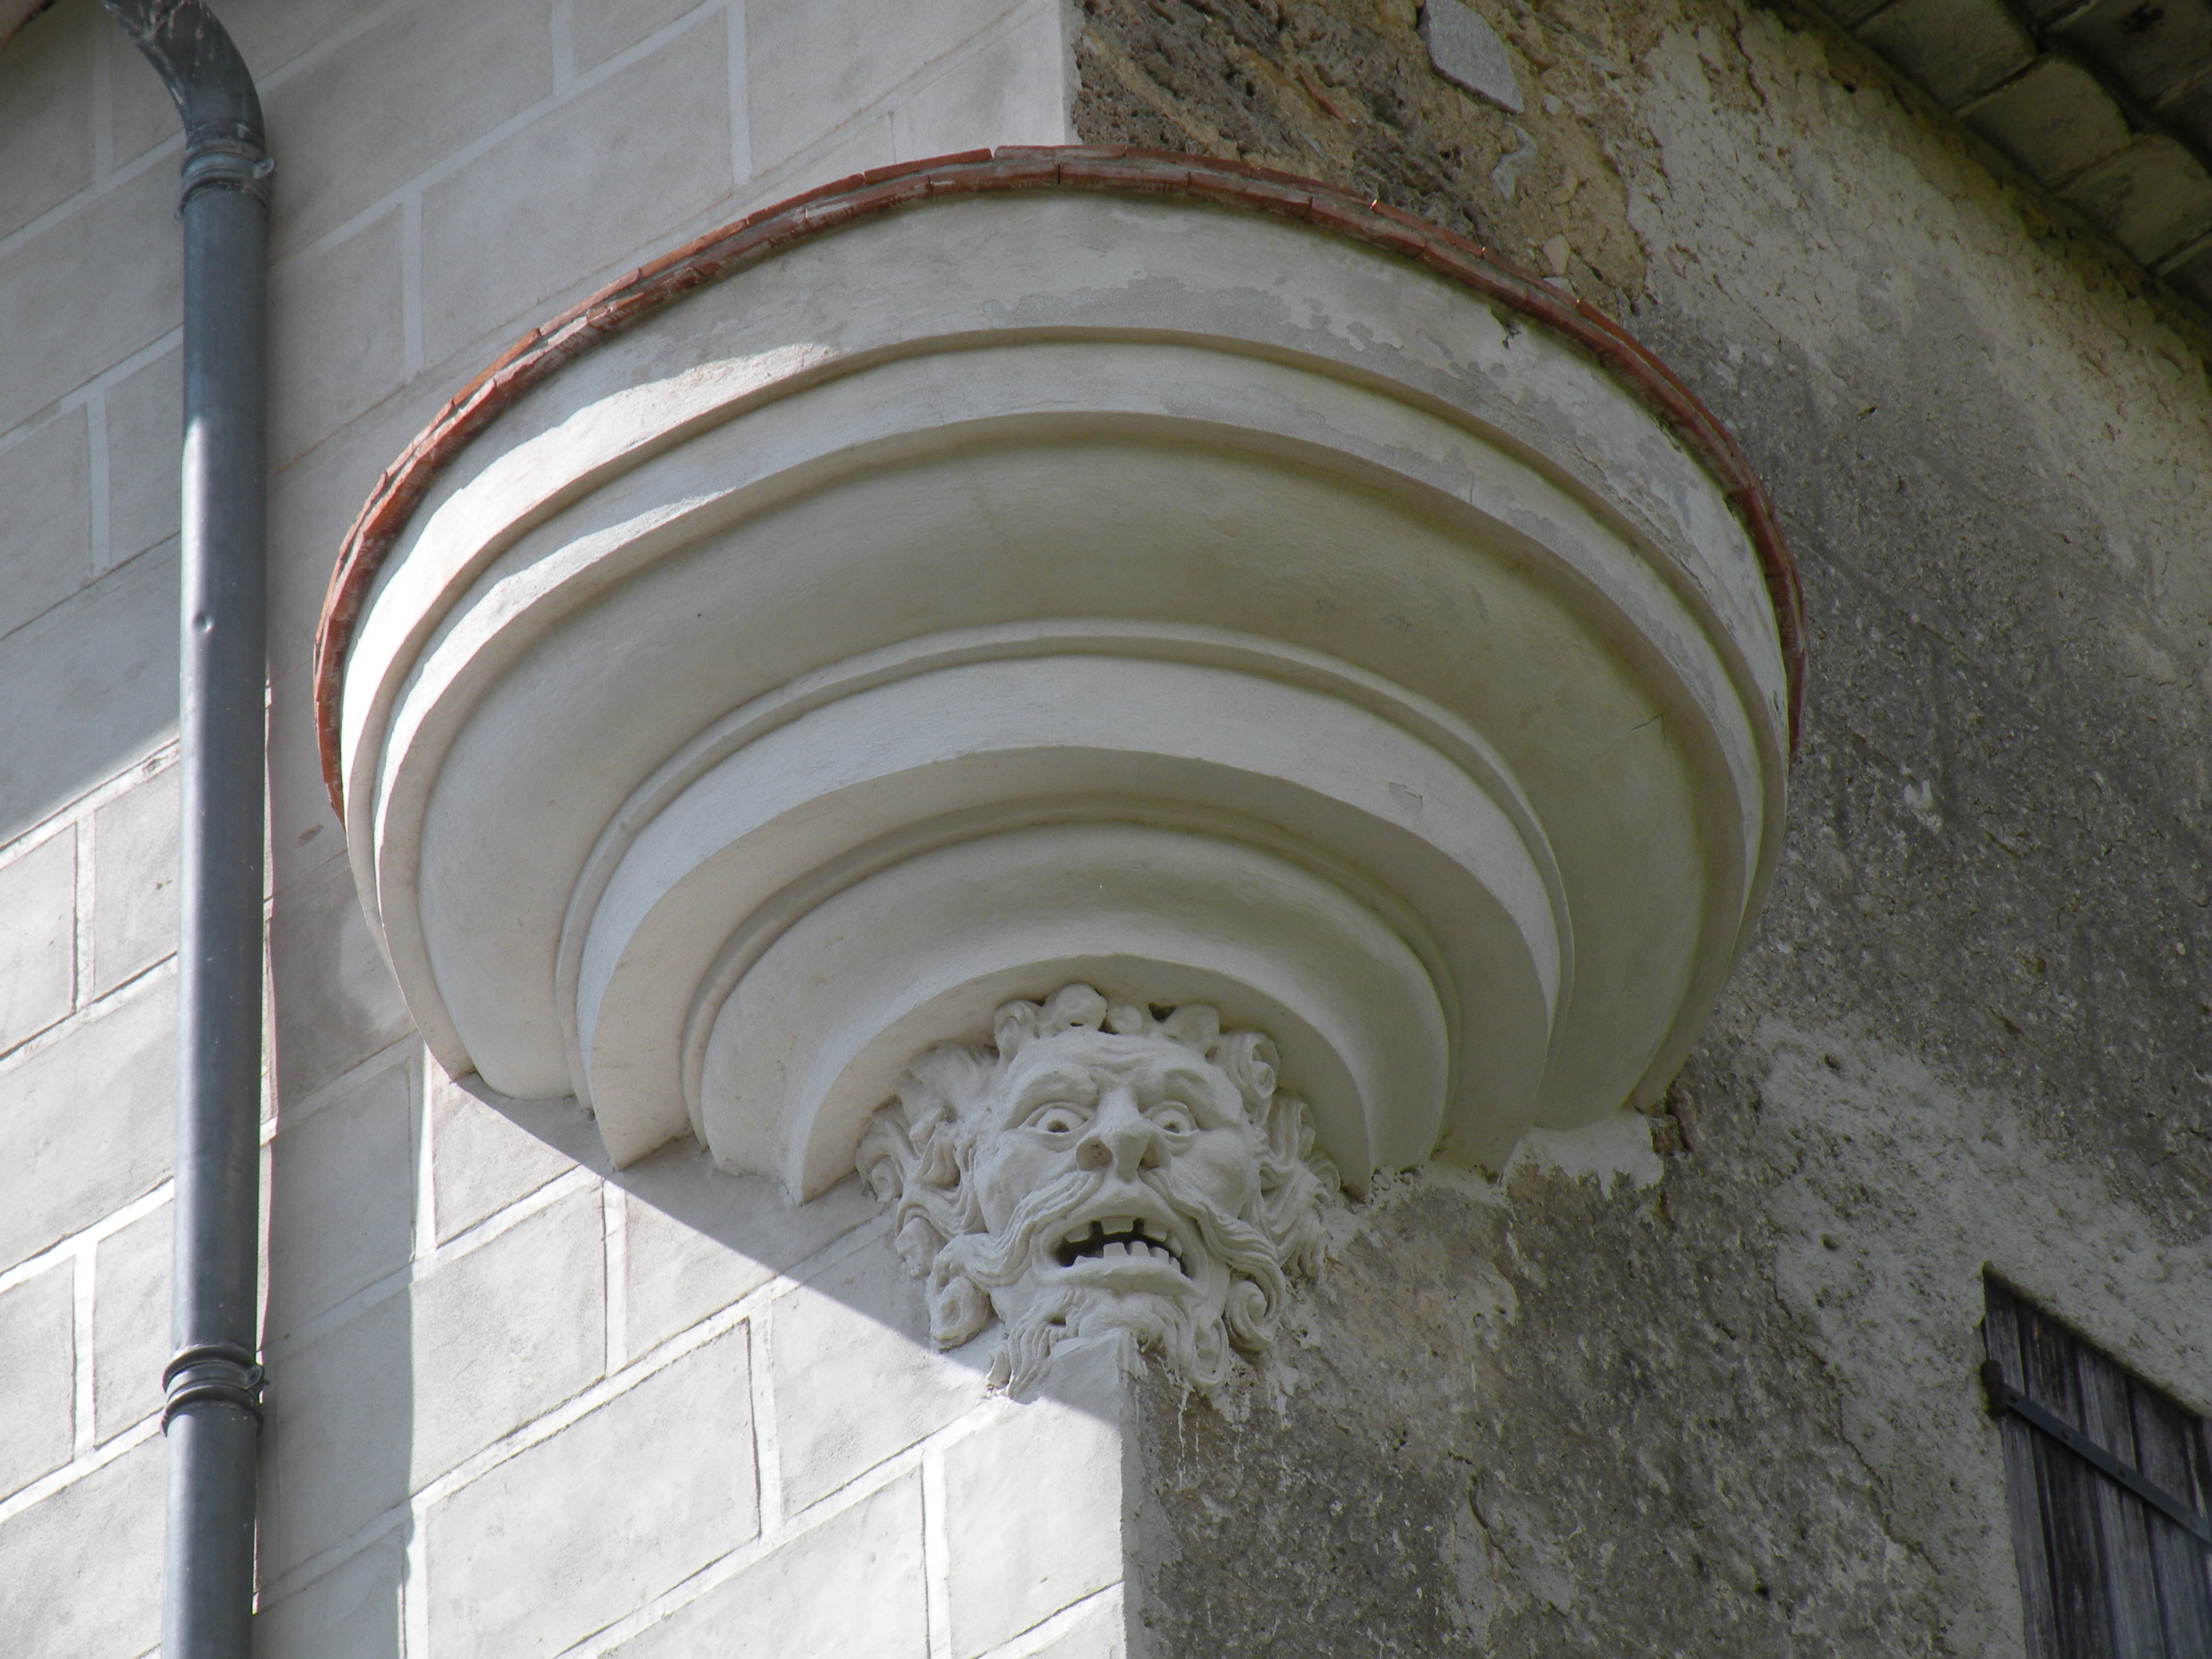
1116,1238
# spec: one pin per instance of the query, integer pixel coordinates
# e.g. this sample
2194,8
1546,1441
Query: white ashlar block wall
520,1404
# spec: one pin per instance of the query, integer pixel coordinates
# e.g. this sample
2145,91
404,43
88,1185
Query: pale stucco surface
591,1405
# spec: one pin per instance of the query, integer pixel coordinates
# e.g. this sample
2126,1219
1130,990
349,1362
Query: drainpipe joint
213,1371
227,164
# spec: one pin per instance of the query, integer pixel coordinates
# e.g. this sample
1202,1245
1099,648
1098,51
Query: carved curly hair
918,1150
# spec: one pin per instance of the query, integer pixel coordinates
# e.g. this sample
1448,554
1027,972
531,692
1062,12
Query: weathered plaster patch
1609,1151
1902,1188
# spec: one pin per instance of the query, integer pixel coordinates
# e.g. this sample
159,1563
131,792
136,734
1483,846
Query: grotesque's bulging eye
1174,1118
1058,1118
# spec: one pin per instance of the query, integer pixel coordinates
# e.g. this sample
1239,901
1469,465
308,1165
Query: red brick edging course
720,253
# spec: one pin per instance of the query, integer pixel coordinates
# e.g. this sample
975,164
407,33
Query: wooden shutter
2104,1574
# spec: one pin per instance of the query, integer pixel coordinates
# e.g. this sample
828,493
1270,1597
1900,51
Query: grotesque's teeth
1116,1248
1076,1235
1120,1224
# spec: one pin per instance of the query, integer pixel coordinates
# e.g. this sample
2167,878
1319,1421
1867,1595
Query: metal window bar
2003,1398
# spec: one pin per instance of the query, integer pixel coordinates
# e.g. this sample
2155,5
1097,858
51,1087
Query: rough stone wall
1734,1411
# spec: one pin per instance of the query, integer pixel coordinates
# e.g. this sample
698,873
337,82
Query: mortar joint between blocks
84,1425
615,1217
84,967
936,1554
768,1452
421,1088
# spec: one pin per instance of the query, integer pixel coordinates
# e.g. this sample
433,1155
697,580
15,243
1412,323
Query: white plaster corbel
1219,594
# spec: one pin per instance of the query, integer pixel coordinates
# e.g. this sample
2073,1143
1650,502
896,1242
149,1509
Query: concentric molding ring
667,669
858,784
402,487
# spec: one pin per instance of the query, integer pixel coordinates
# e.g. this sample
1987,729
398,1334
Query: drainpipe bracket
213,1371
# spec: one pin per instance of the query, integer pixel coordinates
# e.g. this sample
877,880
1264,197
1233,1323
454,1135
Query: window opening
2108,1482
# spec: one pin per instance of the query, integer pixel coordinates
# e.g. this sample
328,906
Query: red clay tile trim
755,237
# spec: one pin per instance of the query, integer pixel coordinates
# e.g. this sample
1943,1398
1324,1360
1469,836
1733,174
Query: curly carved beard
1236,1286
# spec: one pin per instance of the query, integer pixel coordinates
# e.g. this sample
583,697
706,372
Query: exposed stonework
1345,92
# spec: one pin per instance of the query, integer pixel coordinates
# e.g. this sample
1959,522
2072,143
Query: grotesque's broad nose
1122,1138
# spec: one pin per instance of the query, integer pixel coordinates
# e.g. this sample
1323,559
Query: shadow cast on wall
526,1399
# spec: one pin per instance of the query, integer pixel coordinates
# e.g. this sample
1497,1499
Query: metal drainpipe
212,1414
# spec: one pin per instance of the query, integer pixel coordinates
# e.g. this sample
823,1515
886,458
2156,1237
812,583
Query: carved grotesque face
1105,1169
1154,1137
